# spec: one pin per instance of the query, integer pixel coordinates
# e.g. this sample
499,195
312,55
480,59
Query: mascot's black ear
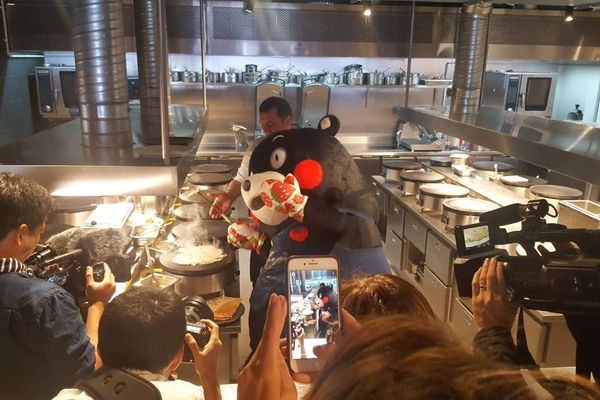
330,124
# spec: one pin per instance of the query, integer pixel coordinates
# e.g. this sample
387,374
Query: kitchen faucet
238,128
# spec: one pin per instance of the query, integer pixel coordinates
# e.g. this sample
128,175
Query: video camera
562,281
71,268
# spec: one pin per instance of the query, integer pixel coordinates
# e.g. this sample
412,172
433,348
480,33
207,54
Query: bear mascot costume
308,197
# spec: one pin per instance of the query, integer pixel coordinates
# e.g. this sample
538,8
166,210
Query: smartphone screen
314,308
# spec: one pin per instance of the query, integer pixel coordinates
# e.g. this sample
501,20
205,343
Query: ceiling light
367,12
569,14
249,6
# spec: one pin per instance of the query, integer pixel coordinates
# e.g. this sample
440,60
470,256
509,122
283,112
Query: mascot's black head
326,172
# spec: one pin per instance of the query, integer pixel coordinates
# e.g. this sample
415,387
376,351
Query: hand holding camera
206,354
100,284
491,304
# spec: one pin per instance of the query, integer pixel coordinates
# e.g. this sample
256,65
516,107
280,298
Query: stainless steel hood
569,148
56,159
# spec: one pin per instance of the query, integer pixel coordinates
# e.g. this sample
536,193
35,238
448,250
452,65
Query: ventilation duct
471,51
148,53
98,42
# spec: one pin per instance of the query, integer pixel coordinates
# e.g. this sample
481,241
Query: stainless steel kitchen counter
222,144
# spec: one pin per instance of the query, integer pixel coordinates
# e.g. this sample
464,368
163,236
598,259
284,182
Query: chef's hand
205,358
221,204
491,305
99,291
266,376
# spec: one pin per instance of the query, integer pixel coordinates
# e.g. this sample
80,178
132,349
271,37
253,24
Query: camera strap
525,357
113,383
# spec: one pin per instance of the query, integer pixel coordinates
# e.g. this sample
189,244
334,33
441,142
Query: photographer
44,342
142,332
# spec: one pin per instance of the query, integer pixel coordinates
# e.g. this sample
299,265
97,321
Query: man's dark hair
142,328
22,201
279,103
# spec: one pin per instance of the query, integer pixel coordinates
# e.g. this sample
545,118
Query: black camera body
564,282
196,309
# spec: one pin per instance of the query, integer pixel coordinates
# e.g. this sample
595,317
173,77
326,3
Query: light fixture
367,11
569,14
249,6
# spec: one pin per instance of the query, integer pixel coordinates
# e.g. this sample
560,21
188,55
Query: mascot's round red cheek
299,234
309,174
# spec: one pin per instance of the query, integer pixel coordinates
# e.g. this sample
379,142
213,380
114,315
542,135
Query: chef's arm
223,201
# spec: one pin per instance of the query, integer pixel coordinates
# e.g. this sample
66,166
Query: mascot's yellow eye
278,157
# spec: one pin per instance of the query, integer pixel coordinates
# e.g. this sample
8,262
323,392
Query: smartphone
314,311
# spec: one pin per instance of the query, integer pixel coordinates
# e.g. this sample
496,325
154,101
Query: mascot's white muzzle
251,193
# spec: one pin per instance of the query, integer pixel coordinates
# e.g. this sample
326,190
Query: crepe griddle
209,178
192,195
189,212
169,265
214,168
205,229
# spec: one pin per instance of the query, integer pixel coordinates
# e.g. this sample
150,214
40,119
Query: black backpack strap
112,383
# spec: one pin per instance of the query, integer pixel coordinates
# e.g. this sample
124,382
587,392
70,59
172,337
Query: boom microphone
97,244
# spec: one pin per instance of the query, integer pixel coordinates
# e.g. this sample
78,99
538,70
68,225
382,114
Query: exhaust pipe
101,75
148,54
471,52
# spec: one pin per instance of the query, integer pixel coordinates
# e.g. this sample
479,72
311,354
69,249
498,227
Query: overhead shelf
572,149
56,159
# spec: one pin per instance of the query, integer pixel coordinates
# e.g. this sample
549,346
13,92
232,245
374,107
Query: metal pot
190,76
73,210
330,78
391,79
376,78
229,77
354,78
464,211
279,76
393,168
459,159
213,77
200,279
521,183
297,78
432,195
411,180
251,68
176,76
415,78
214,168
251,77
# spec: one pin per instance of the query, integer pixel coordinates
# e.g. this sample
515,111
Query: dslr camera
196,309
562,281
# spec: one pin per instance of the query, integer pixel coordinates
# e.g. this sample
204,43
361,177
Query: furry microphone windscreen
99,243
60,241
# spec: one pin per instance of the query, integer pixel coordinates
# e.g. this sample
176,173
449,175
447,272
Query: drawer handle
396,210
393,240
415,227
437,246
377,194
469,322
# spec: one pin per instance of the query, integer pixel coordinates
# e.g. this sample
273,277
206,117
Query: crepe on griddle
198,255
